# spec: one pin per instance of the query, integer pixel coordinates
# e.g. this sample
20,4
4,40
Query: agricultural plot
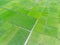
29,22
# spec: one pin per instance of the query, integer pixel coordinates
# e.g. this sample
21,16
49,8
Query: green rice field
29,22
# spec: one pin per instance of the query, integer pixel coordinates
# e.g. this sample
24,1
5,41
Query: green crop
29,22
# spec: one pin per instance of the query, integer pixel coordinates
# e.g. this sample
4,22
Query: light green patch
34,12
52,31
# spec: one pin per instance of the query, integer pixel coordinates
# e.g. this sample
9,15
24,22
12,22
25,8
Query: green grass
3,2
